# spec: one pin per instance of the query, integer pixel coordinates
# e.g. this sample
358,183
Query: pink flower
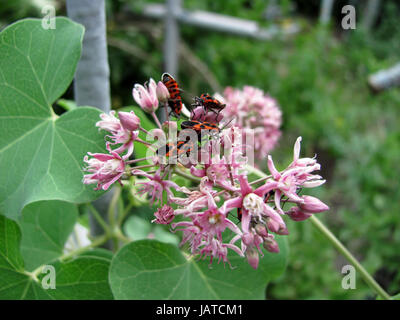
313,205
213,221
122,130
129,120
200,115
196,199
164,215
297,175
296,214
156,186
217,172
105,169
204,232
252,204
255,112
146,96
162,92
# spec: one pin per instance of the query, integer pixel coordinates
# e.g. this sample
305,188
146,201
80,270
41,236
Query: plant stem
111,216
97,242
347,254
340,247
187,176
98,217
156,120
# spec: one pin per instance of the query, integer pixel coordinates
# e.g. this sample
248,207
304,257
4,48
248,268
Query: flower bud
146,96
248,239
283,230
198,114
129,120
271,245
162,92
164,215
313,205
252,257
272,225
261,230
296,214
213,117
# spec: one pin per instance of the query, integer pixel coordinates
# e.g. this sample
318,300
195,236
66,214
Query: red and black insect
198,126
175,99
209,103
176,149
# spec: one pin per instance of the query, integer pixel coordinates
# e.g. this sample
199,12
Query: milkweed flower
297,175
221,196
255,112
122,131
105,169
162,92
204,232
155,186
164,215
146,96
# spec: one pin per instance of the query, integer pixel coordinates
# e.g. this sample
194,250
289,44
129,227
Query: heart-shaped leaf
149,269
45,226
84,277
14,283
40,153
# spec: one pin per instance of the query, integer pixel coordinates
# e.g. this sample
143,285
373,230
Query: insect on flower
176,149
198,126
209,103
175,99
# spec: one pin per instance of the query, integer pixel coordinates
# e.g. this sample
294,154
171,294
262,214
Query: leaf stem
95,243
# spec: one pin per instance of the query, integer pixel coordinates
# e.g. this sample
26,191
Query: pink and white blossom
146,96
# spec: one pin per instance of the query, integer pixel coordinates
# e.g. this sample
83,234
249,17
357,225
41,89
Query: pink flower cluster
221,197
256,113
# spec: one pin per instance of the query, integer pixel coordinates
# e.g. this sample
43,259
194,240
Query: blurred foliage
319,78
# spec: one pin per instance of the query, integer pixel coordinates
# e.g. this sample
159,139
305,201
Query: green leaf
148,269
98,253
85,277
40,153
45,226
14,283
137,228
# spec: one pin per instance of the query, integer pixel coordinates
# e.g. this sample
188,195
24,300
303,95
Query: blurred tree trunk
325,11
371,13
91,83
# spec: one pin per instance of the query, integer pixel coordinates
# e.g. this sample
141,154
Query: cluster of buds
221,197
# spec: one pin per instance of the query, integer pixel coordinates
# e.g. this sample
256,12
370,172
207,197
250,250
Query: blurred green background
319,76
